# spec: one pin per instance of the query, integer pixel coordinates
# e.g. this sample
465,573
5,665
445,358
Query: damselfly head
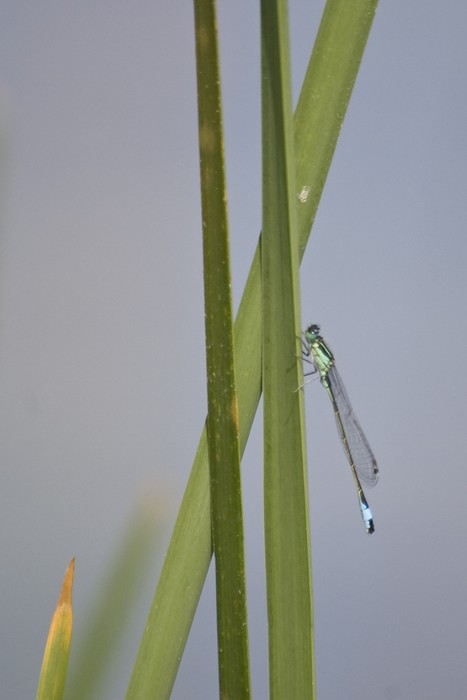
312,332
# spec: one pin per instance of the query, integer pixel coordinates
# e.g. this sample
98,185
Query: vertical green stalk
222,420
288,566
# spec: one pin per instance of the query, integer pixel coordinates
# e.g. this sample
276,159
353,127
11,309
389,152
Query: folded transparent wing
363,458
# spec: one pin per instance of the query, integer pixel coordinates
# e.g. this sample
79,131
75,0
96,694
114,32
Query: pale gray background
102,391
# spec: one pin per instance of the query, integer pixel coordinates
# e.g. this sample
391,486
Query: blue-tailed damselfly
358,452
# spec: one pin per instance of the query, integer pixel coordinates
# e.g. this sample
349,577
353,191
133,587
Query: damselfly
358,452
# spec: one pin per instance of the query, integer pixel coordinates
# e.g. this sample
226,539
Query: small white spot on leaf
303,195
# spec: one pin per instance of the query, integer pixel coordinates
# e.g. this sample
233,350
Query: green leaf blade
288,575
324,98
107,619
57,650
222,420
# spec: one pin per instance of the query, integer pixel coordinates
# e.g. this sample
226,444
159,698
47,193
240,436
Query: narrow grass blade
318,119
222,420
288,573
325,96
55,662
97,648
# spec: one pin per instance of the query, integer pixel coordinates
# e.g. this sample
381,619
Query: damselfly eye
313,329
